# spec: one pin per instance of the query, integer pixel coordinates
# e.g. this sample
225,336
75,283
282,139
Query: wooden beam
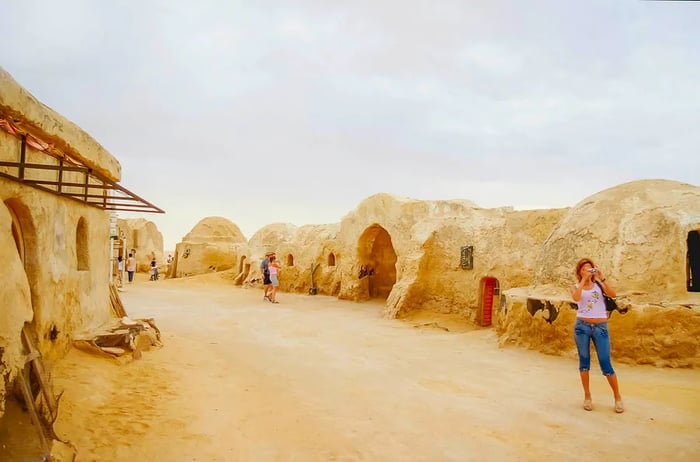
29,402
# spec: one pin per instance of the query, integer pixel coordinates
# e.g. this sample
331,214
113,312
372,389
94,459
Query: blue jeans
584,332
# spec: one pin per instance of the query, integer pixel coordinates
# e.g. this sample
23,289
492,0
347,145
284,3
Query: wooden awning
61,174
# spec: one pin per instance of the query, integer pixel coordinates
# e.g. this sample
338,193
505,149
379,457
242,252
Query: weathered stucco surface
407,252
54,251
142,236
637,234
297,249
16,305
28,113
214,244
66,265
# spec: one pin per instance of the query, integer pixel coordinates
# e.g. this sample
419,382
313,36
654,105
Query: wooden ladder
34,363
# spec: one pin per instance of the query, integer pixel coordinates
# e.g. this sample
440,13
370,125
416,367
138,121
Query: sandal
274,301
619,407
588,404
267,298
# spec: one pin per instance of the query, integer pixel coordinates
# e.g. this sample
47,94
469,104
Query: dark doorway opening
693,259
377,261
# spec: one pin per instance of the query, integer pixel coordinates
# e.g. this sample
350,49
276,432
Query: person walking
274,278
131,267
154,269
592,325
265,272
120,270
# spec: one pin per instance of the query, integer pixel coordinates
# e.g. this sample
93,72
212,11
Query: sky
295,112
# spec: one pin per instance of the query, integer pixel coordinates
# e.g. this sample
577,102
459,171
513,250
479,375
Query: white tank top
591,304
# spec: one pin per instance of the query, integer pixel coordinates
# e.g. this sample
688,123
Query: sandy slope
317,379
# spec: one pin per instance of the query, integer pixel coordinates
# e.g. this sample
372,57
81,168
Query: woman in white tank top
592,324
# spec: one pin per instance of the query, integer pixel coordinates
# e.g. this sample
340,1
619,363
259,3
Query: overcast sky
295,111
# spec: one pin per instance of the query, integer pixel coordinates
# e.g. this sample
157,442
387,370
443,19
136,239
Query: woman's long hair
580,264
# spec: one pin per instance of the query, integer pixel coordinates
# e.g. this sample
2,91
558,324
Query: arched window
290,260
331,259
82,248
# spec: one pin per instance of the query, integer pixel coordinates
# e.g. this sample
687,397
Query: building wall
63,285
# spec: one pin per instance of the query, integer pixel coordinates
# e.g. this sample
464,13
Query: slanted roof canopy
57,156
72,178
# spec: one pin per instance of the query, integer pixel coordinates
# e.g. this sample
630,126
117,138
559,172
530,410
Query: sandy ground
318,379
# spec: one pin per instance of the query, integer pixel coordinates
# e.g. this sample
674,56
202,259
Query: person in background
131,267
274,278
592,324
154,269
120,270
265,272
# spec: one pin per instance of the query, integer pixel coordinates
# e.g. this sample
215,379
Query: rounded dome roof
635,232
215,229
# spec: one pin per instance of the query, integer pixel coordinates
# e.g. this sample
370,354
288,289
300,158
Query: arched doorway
24,234
28,382
377,260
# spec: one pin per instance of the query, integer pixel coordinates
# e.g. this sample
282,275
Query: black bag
610,303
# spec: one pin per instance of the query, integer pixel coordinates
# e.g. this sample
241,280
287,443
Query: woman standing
274,267
592,324
131,267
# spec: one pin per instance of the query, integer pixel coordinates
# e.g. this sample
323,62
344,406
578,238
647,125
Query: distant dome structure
214,244
637,232
215,230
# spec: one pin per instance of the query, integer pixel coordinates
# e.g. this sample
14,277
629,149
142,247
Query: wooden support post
22,157
40,371
116,302
29,401
60,176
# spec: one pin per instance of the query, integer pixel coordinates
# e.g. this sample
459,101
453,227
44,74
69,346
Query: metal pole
22,156
111,259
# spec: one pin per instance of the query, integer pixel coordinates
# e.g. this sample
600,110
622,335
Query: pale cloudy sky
295,111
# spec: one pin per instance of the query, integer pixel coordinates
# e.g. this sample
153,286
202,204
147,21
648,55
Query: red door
488,289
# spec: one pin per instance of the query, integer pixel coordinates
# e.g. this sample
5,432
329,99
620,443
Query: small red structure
488,289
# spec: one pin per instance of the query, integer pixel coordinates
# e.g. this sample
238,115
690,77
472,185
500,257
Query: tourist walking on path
120,270
131,267
154,269
592,324
274,278
265,272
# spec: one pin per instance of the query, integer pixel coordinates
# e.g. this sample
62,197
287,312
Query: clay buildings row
501,267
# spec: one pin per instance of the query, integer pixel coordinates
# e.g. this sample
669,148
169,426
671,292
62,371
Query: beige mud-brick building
58,187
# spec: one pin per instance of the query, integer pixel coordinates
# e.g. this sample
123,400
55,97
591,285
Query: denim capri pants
584,332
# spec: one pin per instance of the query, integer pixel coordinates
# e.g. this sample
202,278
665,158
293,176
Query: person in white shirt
592,324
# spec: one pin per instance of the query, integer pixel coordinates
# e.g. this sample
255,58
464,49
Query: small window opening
81,245
331,259
290,260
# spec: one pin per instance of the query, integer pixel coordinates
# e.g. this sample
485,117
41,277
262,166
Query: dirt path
317,379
